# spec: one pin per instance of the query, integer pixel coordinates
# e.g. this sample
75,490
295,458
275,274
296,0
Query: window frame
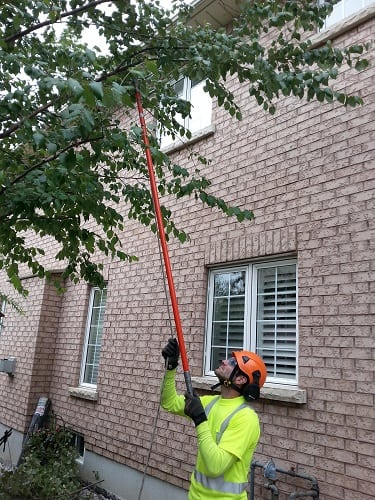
250,311
78,443
3,304
90,311
343,15
166,141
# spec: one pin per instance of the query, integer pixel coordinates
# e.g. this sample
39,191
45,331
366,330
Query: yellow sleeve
216,460
170,400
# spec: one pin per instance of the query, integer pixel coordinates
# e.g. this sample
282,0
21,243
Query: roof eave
215,12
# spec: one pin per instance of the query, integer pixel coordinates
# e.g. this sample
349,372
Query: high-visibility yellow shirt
221,468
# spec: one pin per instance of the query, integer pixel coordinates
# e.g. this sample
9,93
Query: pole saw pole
163,242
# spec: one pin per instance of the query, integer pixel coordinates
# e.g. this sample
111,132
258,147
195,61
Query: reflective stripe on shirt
219,484
224,425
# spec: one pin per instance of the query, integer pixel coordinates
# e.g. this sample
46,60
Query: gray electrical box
8,365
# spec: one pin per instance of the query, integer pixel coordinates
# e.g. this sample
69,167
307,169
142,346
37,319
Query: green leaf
38,139
71,157
361,64
75,86
182,236
97,88
51,147
341,98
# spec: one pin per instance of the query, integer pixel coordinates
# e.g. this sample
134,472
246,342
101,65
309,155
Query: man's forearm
170,400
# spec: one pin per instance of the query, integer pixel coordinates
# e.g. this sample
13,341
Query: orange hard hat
250,363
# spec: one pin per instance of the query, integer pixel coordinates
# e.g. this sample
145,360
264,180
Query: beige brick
308,173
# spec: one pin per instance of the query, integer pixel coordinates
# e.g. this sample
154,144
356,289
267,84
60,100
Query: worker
227,428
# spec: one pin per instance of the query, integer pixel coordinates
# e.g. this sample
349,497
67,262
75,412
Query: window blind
276,319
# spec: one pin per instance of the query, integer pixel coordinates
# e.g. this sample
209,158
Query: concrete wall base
118,479
125,482
13,447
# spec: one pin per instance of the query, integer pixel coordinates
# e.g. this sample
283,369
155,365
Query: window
254,307
78,442
200,116
93,337
2,312
344,9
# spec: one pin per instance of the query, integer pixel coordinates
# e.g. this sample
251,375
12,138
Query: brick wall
30,338
308,174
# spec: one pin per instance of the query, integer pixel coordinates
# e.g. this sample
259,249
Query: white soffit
215,12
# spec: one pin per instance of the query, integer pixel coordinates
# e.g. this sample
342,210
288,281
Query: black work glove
171,353
194,408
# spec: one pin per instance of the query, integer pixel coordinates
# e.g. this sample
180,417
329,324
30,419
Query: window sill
342,26
83,393
284,393
183,142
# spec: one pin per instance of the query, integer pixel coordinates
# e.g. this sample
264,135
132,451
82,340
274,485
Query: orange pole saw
163,242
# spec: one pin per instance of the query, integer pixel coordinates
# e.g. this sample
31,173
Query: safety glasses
232,362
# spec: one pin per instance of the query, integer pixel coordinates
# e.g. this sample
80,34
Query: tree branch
17,125
25,32
48,159
105,76
120,69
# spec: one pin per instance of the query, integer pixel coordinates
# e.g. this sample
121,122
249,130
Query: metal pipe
252,478
163,242
313,492
300,494
253,466
273,488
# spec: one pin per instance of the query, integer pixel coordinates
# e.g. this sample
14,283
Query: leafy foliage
48,471
67,162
